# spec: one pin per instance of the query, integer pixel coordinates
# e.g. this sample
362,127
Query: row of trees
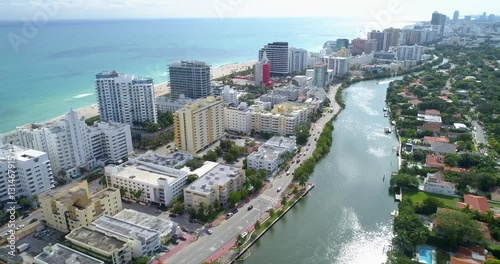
227,149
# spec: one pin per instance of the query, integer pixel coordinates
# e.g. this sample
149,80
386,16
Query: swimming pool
425,255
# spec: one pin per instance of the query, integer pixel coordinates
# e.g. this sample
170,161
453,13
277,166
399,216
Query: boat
388,130
386,114
383,179
385,109
395,213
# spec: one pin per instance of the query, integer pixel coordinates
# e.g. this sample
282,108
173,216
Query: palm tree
257,224
201,208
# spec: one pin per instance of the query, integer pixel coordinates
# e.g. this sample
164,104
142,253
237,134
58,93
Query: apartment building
281,120
237,119
297,60
191,78
216,182
150,175
165,104
199,124
268,157
58,253
66,210
26,171
125,98
277,53
142,241
106,247
164,227
111,142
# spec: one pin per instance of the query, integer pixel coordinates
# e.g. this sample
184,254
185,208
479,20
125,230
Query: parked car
192,220
229,215
172,215
279,189
250,207
209,231
234,211
33,220
268,209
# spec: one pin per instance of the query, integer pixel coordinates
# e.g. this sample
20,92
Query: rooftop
267,152
170,161
217,176
96,239
146,174
438,179
186,63
429,118
443,147
286,142
21,153
60,254
478,203
163,226
108,223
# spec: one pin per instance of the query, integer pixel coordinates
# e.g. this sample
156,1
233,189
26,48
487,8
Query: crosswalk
270,199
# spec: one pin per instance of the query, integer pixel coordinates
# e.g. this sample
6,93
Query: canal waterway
347,216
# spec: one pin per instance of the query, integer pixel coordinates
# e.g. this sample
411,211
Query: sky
381,10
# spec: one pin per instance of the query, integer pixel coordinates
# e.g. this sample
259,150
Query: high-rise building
73,146
379,37
439,19
410,53
320,75
340,65
391,38
277,53
456,15
341,44
281,120
199,124
358,46
263,71
191,78
66,210
125,98
31,168
370,46
297,60
166,104
237,119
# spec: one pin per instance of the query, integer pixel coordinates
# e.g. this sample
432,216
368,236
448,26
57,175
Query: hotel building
66,210
216,182
32,170
199,124
277,53
125,98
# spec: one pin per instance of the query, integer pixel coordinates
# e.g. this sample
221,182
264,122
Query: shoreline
160,90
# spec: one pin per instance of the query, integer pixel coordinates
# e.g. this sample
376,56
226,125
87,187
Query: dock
399,196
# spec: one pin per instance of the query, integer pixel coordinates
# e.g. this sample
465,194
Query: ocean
52,69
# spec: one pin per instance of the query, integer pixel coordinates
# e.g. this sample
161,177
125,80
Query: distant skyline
403,10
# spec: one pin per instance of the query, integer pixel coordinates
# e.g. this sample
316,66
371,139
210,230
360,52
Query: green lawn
420,196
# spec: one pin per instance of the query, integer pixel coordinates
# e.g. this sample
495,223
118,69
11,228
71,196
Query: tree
492,261
271,212
123,192
451,160
229,157
194,164
404,180
137,195
210,156
457,227
235,197
191,178
429,206
24,202
283,200
257,224
141,260
408,228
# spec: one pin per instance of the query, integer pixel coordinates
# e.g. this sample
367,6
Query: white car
209,231
279,189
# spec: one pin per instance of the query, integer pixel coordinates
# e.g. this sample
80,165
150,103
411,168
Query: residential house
474,202
460,126
434,127
443,148
414,102
469,255
432,112
434,161
435,183
453,135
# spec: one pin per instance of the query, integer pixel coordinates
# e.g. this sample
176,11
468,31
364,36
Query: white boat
385,108
386,114
395,213
388,130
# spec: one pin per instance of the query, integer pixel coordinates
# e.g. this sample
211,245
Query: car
250,207
269,209
192,220
229,215
184,229
287,173
172,215
17,228
209,231
244,234
175,242
21,226
33,220
182,238
309,144
234,211
279,189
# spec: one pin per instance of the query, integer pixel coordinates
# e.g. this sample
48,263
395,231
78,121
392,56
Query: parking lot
38,243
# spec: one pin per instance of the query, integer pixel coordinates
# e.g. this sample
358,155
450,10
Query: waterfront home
469,255
434,161
478,203
434,127
443,148
460,126
435,183
414,102
432,112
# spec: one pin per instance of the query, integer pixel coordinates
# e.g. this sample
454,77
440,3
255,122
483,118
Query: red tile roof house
434,161
435,127
469,255
429,140
414,102
478,203
432,112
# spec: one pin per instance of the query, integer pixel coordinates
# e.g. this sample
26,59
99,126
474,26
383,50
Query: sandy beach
164,88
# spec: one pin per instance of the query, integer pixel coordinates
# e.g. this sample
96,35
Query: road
479,135
206,245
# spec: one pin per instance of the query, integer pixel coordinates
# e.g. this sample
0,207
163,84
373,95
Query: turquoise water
425,255
55,69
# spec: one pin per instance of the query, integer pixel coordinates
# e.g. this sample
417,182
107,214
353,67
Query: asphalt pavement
200,250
